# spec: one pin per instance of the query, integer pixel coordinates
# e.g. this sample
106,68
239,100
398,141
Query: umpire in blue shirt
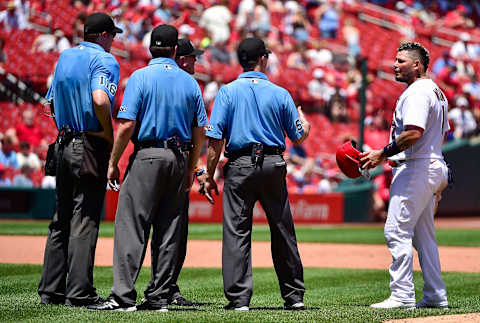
251,115
81,98
164,115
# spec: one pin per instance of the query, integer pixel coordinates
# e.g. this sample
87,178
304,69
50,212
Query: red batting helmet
348,159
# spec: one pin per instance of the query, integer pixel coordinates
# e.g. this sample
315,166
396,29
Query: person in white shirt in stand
420,122
463,119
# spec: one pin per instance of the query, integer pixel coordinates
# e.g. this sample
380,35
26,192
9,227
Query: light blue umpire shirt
252,109
164,100
80,71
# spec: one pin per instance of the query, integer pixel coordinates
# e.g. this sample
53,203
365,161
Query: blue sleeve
132,99
291,122
105,76
200,114
218,119
50,93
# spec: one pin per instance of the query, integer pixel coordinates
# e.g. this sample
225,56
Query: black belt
247,151
66,134
167,144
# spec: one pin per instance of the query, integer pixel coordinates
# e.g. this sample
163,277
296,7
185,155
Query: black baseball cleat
232,307
110,304
181,301
147,306
299,306
84,302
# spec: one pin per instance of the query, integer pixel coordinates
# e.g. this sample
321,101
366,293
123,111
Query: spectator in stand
220,53
300,25
463,49
261,19
8,156
4,181
447,80
211,90
145,28
26,157
77,36
163,13
352,38
472,88
320,55
298,59
458,18
24,178
3,55
216,20
12,19
337,110
442,61
329,21
376,133
185,31
319,90
28,131
462,118
46,42
62,41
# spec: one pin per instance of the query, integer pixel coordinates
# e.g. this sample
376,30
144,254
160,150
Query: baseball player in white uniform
420,174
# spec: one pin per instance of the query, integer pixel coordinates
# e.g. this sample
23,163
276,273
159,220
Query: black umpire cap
99,22
164,36
250,50
186,48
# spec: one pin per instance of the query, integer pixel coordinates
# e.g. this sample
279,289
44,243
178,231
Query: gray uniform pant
67,273
181,251
151,196
244,185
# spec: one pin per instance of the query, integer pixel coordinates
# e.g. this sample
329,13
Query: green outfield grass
333,295
334,234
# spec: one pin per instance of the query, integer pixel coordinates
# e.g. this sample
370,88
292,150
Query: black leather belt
167,144
247,151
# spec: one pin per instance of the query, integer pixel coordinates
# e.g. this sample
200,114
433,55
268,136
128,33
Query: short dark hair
420,51
91,37
249,64
157,51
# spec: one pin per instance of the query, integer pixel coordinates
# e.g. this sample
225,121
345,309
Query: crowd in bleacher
318,48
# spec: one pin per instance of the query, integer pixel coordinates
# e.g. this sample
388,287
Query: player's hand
113,177
207,187
371,159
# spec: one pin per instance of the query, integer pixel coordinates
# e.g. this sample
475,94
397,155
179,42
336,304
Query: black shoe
147,306
299,306
181,301
232,307
84,302
110,304
52,300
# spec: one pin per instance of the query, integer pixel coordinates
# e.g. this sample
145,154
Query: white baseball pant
413,198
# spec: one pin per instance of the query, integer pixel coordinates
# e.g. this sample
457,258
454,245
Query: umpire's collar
162,60
92,45
257,75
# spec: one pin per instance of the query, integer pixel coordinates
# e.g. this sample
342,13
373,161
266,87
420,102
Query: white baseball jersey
424,105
